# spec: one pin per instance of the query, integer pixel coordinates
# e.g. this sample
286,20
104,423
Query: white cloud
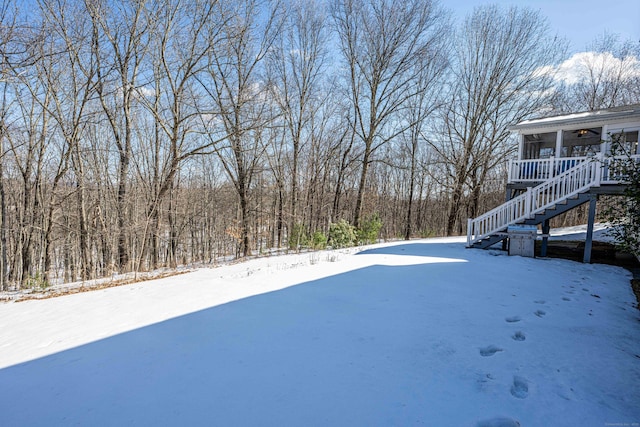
580,65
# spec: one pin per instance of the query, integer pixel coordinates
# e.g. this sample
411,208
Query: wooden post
559,143
528,203
520,146
545,237
589,241
509,196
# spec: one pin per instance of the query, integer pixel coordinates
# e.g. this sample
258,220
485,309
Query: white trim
588,173
627,127
559,143
520,145
624,114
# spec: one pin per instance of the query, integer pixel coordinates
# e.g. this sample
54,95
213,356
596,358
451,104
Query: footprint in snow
513,319
489,351
518,336
484,381
540,301
566,299
520,388
540,313
499,422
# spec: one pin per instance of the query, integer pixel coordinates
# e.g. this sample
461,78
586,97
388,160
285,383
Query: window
584,150
546,152
581,142
539,146
628,142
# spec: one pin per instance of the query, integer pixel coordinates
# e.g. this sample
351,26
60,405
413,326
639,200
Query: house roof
623,114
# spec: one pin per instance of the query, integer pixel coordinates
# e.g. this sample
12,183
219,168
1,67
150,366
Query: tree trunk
454,207
412,184
280,219
362,184
86,264
407,230
245,247
4,285
123,253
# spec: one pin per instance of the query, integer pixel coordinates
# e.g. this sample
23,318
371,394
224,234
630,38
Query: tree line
143,134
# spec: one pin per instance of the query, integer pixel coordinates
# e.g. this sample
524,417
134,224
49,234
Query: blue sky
580,21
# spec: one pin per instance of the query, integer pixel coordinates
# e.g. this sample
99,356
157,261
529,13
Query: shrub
427,232
369,230
341,234
36,282
624,212
318,240
298,237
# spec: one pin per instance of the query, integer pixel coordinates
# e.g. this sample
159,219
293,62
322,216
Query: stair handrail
560,187
538,170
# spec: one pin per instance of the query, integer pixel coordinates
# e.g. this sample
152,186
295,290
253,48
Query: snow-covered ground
579,232
419,333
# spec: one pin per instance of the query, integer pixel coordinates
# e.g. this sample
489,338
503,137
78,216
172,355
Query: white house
563,162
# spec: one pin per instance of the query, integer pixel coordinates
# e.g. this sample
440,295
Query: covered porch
550,146
563,162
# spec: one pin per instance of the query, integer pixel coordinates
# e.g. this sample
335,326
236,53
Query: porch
534,171
563,162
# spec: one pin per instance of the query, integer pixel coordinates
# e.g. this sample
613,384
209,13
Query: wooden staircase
538,218
556,195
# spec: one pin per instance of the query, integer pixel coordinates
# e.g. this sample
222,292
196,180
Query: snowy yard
419,333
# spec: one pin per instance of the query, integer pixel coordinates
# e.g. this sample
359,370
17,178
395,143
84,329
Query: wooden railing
557,187
538,170
579,174
614,174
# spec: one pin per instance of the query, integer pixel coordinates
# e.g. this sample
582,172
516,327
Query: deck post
508,197
593,198
559,144
545,237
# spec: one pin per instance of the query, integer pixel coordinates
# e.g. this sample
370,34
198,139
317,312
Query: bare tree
240,95
4,270
136,134
420,108
606,75
381,42
8,29
295,67
27,141
183,37
121,38
496,81
71,83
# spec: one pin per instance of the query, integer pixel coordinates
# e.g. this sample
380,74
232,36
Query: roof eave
569,121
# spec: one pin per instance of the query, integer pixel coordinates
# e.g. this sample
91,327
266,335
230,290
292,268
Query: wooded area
142,134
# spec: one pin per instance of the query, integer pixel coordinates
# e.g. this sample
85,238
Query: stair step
561,205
